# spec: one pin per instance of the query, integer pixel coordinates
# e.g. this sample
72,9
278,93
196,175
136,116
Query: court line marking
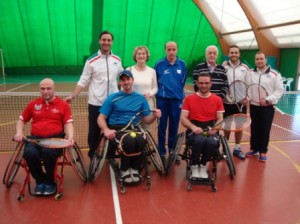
285,129
18,87
115,197
295,164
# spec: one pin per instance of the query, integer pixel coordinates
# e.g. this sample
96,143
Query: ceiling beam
205,9
263,27
264,44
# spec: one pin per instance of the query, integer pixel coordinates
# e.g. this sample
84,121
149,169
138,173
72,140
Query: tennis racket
237,92
233,123
53,143
258,94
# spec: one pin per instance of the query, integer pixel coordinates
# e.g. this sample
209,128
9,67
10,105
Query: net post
2,65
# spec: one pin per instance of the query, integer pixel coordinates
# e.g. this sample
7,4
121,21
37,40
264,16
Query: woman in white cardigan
145,81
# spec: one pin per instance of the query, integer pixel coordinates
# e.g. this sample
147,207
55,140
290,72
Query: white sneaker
195,171
135,176
203,171
126,176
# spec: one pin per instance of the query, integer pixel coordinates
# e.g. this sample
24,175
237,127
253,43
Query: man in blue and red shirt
50,118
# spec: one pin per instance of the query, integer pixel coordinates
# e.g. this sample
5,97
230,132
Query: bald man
50,117
171,75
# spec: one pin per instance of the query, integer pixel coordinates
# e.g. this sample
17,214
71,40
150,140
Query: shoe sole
255,155
242,158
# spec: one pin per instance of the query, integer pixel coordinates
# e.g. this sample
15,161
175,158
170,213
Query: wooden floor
260,193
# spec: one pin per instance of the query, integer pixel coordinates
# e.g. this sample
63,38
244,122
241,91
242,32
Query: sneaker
195,171
262,157
135,176
126,176
203,171
39,189
49,189
238,153
252,153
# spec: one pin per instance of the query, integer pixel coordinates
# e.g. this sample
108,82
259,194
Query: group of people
115,95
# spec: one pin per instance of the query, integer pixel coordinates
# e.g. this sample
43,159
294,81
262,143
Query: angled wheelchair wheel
175,152
227,156
13,165
98,159
76,160
152,151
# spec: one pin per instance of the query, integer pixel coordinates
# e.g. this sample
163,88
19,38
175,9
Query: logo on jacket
178,71
38,107
166,72
55,111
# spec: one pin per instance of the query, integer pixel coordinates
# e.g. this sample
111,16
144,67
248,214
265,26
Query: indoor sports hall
53,39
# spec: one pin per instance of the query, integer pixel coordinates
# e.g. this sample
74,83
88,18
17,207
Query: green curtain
56,33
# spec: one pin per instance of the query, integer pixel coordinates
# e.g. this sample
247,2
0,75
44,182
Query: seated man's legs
49,157
210,146
32,155
202,146
197,143
130,165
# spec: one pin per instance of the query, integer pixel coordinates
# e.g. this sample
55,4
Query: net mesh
285,127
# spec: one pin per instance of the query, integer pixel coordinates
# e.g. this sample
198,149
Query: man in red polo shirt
50,118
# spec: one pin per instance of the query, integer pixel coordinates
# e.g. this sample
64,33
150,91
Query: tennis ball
133,134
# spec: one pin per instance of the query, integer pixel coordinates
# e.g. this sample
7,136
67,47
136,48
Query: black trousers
131,145
262,118
94,130
34,154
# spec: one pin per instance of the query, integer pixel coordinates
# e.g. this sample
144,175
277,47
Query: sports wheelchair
110,151
217,156
70,156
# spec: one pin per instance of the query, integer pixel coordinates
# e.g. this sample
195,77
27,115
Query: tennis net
285,127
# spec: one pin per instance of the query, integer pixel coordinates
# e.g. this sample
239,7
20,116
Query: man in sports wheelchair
50,118
118,120
199,111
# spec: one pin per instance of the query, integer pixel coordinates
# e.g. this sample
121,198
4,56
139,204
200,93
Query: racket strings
236,123
55,143
256,93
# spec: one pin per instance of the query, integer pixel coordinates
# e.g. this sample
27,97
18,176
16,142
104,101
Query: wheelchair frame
70,156
217,156
101,155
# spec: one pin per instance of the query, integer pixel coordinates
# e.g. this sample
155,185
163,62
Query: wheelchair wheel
13,165
76,160
228,156
98,159
175,152
152,151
